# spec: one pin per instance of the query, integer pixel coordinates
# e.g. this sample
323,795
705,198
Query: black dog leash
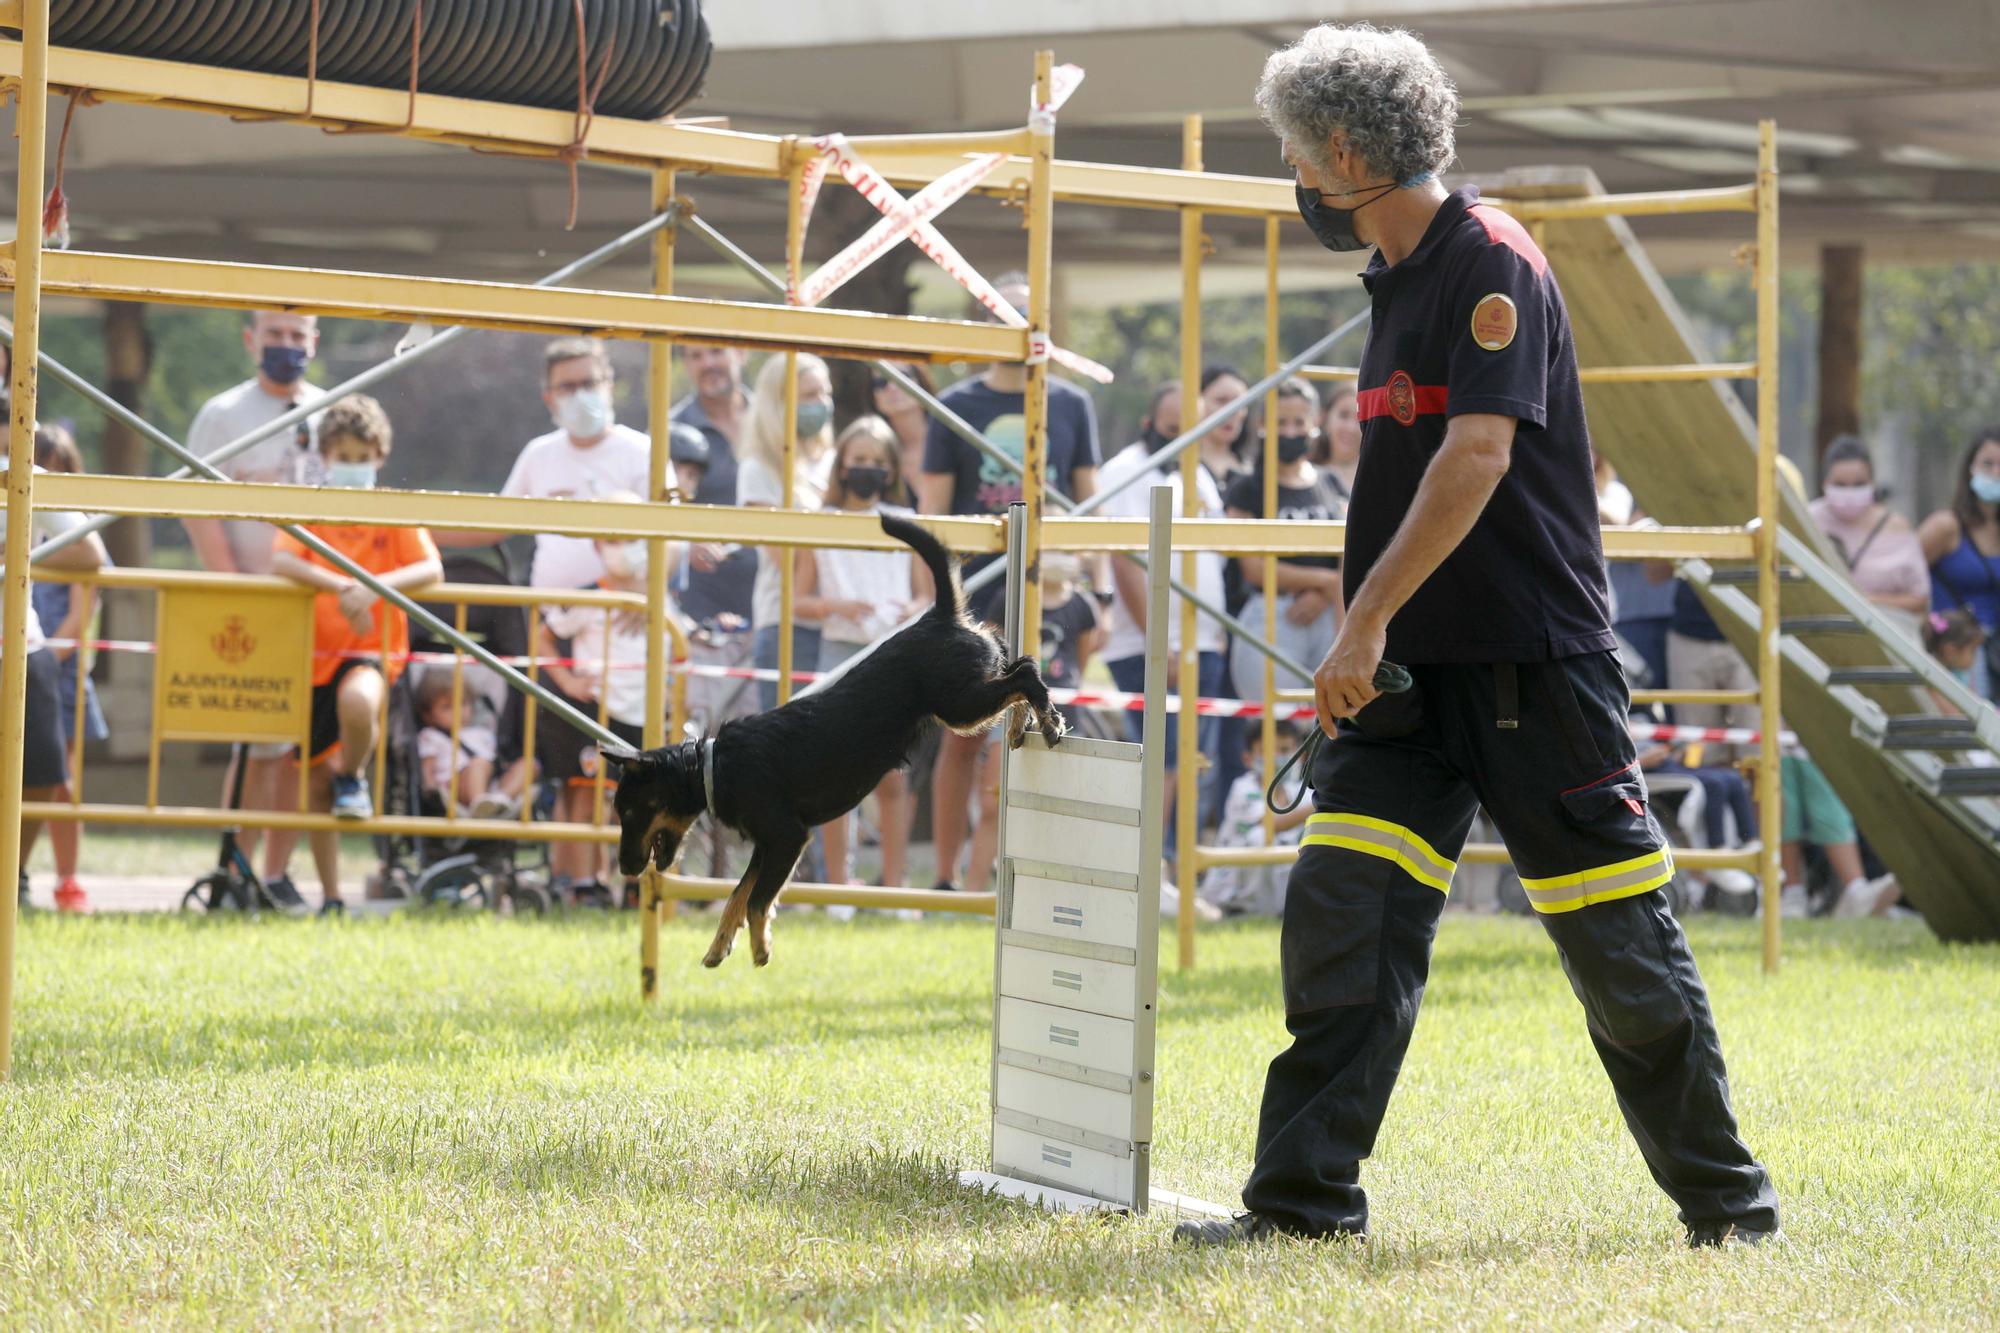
1389,679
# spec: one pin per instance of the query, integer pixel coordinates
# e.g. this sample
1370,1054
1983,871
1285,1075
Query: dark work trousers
1395,793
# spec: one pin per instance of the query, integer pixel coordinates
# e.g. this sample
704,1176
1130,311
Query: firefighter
1473,558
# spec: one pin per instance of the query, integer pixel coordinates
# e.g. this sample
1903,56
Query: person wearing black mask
1472,559
857,597
280,346
1309,602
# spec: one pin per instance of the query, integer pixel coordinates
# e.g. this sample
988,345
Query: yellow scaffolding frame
30,67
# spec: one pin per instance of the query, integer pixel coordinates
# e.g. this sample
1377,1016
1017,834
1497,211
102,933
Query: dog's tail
944,573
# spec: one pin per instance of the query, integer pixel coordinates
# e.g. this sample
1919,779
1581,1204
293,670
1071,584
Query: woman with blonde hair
760,485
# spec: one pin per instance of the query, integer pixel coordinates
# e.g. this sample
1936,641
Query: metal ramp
1856,692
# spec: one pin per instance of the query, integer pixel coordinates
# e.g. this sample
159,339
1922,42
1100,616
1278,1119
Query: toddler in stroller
427,776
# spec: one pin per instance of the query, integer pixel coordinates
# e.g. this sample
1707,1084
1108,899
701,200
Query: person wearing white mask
1878,544
587,456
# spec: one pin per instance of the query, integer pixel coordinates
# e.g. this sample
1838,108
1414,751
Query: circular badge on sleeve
1494,321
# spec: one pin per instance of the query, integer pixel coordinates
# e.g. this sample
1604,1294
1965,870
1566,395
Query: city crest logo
234,641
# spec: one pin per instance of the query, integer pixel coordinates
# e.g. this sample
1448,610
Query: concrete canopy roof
1885,114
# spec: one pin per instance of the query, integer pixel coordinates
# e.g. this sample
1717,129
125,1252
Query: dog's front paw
1054,727
718,949
760,939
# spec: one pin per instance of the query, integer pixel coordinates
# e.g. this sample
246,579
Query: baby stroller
233,885
452,871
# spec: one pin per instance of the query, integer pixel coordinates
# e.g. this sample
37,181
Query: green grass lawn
472,1123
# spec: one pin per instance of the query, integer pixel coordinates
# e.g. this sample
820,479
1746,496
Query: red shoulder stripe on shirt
1428,400
1504,230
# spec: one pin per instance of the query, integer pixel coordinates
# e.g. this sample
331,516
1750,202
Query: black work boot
1242,1229
1715,1235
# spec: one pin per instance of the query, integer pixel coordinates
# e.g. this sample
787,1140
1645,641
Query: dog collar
708,772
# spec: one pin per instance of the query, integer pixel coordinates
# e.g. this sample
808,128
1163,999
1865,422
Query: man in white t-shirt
1125,649
280,346
587,456
44,758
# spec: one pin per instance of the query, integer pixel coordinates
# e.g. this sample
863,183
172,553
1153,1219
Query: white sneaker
1868,897
493,804
1170,904
1733,881
1793,902
841,911
1857,899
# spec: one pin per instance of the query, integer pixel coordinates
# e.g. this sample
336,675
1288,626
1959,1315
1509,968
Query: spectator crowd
1937,581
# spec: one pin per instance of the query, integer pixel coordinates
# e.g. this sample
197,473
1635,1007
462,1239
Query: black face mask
865,483
1334,226
1291,448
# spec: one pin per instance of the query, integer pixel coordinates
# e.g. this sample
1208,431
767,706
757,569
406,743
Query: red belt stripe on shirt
1430,400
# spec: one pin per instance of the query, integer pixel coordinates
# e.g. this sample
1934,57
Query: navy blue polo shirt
1472,321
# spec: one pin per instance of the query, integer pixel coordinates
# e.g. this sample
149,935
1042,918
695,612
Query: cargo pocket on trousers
1331,944
1612,950
1615,816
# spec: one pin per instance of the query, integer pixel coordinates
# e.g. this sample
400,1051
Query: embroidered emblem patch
1494,321
1402,398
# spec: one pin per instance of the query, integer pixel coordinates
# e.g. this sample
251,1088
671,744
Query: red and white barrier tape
1708,735
909,219
1107,699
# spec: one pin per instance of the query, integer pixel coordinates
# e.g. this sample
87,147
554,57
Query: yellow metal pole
795,235
1187,802
527,811
80,654
32,114
659,466
1039,217
606,666
1770,791
1269,730
457,708
381,763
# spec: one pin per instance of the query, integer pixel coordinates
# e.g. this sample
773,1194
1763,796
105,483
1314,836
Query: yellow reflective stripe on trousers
1622,879
1379,837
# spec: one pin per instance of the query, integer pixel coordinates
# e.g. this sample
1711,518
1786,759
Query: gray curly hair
1383,90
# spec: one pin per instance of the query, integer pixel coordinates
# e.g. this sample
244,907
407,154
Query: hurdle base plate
1164,1202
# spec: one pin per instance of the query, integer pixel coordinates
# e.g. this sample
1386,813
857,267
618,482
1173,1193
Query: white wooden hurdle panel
1076,955
1076,944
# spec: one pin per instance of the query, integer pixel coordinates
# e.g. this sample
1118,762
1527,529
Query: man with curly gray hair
1473,559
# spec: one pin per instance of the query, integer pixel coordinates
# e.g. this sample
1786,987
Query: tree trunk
128,358
1840,276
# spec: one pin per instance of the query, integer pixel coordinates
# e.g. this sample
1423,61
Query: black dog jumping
776,776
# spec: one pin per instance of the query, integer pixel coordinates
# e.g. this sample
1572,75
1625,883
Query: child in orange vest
360,644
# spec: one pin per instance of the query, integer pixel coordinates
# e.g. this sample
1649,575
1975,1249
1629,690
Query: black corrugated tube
518,51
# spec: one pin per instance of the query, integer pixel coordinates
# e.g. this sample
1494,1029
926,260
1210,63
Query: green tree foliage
1930,373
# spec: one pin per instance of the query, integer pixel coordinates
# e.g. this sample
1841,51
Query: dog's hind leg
734,910
781,859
